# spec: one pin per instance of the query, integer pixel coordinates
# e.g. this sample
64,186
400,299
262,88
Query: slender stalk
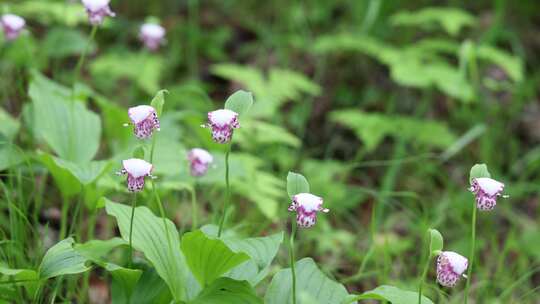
471,254
133,205
228,194
193,208
292,258
84,53
64,218
423,279
77,211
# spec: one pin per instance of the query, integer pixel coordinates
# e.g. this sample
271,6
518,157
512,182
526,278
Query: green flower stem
228,193
471,254
423,278
194,220
133,205
64,218
80,62
292,258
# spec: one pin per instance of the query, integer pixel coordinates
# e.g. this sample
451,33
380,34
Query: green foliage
225,290
296,183
70,130
436,242
451,19
9,127
64,42
158,101
272,90
477,171
261,250
239,102
62,259
371,128
150,288
142,69
391,294
312,286
149,237
48,12
209,258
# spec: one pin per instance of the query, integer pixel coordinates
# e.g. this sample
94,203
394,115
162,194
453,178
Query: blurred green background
383,105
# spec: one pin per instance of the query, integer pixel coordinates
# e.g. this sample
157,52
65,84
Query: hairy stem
228,193
292,258
133,205
423,279
80,62
471,254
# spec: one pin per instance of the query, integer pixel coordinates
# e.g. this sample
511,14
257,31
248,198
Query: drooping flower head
136,170
12,26
145,120
199,160
486,191
97,10
223,122
153,35
450,268
306,206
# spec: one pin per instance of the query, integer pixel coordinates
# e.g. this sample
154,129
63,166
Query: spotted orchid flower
486,191
144,119
306,206
223,122
12,26
152,35
97,10
136,170
199,160
450,268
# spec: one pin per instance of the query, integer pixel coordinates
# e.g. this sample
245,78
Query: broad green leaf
389,293
312,286
62,259
150,288
226,290
150,238
477,171
239,102
125,281
29,276
158,101
436,242
451,19
209,258
371,128
95,250
10,155
70,130
296,183
261,250
66,182
9,126
86,173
